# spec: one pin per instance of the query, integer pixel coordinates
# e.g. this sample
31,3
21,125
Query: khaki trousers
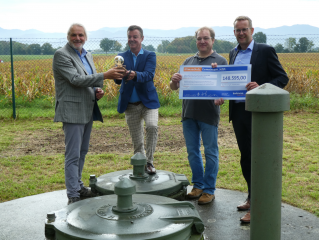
135,116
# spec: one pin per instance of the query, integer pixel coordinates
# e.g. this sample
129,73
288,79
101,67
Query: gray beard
77,48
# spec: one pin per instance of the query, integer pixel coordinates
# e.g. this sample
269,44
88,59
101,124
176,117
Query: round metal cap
156,217
163,183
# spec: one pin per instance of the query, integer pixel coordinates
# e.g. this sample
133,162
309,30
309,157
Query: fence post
267,104
12,78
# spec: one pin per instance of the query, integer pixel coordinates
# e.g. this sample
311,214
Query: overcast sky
58,15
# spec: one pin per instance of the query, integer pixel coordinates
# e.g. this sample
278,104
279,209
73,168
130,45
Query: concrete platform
24,218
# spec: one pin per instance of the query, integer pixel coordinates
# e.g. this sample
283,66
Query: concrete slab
222,220
24,218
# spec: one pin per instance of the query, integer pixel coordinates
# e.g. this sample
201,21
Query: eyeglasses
205,39
244,30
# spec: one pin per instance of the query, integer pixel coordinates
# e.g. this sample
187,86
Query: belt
135,103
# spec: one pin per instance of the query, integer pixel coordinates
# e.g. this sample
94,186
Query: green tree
222,46
303,45
4,48
171,49
110,45
34,49
260,37
106,44
162,48
19,48
290,44
182,45
149,48
184,49
127,47
117,46
279,48
193,46
47,49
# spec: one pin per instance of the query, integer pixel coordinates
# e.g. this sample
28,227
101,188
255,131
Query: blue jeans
193,130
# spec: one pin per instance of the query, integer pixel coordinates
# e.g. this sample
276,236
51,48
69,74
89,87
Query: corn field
34,78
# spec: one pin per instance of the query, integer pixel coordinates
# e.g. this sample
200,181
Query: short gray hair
211,31
242,18
135,27
78,25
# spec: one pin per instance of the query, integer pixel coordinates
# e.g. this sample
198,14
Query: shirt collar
84,52
140,52
212,55
250,47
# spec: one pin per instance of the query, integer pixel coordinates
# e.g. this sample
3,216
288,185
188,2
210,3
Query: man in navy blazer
266,68
138,96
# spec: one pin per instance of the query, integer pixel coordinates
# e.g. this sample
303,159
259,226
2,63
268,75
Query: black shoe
150,169
86,192
73,200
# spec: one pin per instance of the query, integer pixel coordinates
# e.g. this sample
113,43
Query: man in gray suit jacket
78,87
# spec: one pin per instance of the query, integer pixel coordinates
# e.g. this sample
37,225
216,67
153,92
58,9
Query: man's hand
176,78
99,93
115,73
214,65
219,101
251,86
130,75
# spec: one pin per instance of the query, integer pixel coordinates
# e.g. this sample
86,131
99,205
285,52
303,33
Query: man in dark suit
266,68
77,89
138,96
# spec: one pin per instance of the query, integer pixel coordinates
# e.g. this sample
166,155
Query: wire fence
26,64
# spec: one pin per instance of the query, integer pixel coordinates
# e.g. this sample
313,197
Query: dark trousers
241,120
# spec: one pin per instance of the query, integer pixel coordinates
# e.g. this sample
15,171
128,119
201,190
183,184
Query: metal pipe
267,103
12,79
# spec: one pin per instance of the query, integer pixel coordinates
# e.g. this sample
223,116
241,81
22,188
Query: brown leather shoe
206,198
150,169
195,193
244,206
246,218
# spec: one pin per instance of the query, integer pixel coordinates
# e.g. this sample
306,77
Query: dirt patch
108,140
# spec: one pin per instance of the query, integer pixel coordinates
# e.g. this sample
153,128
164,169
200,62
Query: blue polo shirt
134,97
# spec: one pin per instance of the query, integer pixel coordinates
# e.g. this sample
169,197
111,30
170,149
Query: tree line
26,49
188,45
291,44
109,45
178,45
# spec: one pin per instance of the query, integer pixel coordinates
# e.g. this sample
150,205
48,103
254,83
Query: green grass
7,58
26,175
305,102
44,107
170,106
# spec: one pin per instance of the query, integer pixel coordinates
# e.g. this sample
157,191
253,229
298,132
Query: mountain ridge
120,32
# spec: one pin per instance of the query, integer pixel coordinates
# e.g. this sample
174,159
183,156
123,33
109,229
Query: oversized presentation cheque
205,82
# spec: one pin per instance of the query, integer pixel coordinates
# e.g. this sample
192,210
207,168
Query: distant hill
221,32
